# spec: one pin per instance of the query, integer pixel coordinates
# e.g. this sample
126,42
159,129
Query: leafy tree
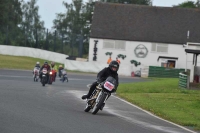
189,4
11,16
70,26
32,26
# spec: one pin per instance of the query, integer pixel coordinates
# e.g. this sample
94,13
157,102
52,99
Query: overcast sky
49,8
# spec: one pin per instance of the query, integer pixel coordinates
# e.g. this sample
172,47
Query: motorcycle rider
54,67
111,70
45,65
37,65
60,70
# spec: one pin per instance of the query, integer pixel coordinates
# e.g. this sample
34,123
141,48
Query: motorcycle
52,76
102,92
64,76
36,74
44,79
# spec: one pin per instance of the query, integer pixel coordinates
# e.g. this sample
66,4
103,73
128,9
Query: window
159,47
109,44
120,45
169,64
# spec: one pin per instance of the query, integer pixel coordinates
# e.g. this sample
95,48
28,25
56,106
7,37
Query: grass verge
163,98
25,63
19,62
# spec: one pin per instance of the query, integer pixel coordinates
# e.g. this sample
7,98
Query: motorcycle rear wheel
98,105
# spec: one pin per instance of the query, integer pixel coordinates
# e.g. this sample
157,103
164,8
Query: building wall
174,50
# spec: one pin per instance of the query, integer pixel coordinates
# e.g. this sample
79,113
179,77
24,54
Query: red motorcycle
52,76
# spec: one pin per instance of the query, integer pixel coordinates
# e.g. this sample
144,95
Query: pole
7,35
62,43
46,44
25,35
72,44
55,42
80,46
36,42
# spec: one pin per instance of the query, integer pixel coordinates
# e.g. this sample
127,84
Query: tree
32,26
11,17
188,4
70,25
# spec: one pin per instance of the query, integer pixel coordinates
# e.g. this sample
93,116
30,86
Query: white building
153,36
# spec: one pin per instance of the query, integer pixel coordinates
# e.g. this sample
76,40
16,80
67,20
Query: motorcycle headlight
50,73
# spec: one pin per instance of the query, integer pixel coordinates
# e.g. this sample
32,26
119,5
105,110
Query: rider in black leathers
111,70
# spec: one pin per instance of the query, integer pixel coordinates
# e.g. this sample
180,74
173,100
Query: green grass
19,62
25,63
163,98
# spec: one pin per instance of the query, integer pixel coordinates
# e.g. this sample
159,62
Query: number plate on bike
109,86
44,70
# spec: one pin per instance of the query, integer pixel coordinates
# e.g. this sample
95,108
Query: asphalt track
27,107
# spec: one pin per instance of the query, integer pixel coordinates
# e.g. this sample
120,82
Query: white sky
49,8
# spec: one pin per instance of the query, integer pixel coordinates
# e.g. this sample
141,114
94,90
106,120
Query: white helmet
38,63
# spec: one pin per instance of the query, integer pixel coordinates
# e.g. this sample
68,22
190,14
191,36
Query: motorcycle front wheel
87,108
99,103
43,81
50,80
34,79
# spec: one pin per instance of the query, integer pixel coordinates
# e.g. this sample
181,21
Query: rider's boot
85,97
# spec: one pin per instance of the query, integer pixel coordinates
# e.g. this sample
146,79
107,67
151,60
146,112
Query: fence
164,72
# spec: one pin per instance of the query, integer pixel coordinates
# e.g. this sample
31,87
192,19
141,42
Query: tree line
21,25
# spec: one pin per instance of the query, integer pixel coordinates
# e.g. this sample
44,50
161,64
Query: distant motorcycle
64,76
44,78
36,74
52,76
102,92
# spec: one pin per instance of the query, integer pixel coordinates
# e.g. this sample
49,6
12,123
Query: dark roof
192,51
145,23
167,57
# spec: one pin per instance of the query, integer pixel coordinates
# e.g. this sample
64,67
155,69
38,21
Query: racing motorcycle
102,92
52,76
36,74
44,79
64,76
